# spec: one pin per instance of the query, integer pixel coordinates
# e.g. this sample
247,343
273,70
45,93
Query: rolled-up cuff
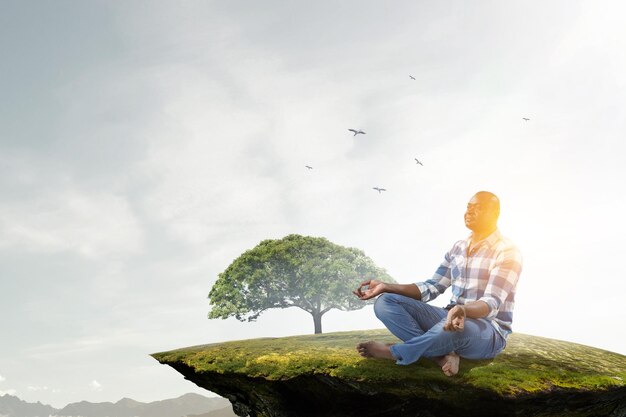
424,291
396,355
493,306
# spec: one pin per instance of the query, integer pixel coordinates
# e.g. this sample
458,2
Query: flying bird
356,132
526,118
378,189
412,77
308,167
418,162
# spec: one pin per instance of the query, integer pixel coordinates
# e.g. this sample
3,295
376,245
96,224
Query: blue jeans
420,327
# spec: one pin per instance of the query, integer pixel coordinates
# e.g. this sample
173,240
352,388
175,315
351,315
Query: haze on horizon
146,145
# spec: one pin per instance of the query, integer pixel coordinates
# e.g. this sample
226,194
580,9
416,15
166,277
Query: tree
311,273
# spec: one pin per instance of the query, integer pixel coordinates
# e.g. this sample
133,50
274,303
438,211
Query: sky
145,145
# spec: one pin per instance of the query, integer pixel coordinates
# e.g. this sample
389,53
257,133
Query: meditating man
483,271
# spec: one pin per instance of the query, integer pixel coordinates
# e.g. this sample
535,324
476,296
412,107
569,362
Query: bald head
482,212
490,200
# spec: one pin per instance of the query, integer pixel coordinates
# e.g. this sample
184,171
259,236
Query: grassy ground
528,365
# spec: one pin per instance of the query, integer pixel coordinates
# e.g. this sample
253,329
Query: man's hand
374,288
456,319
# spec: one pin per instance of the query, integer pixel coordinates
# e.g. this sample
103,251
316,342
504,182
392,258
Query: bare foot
373,349
449,363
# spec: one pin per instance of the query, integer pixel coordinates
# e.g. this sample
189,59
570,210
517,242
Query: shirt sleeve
440,281
502,280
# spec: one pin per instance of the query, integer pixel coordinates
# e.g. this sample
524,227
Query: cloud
95,385
37,388
8,392
47,212
2,379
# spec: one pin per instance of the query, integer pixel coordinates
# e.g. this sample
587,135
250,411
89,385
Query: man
483,271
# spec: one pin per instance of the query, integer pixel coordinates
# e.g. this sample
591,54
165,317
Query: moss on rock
324,375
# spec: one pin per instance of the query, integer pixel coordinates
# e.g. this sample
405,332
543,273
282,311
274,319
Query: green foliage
311,273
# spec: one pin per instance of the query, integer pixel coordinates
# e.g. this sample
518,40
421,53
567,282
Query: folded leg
406,317
478,340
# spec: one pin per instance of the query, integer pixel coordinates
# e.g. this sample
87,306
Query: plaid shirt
489,273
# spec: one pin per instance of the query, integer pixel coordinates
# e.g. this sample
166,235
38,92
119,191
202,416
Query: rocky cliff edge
322,375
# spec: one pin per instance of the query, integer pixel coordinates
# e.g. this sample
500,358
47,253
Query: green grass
528,365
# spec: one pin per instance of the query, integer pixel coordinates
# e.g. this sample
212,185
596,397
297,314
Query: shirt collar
490,240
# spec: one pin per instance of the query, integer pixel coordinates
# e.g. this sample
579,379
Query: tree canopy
311,273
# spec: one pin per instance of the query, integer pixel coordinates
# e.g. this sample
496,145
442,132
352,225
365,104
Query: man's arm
423,291
502,280
441,280
375,288
408,290
476,309
457,314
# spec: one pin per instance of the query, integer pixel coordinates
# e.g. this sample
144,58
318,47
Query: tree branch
303,308
325,310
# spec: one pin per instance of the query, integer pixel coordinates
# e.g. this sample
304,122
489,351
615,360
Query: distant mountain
186,405
11,406
222,412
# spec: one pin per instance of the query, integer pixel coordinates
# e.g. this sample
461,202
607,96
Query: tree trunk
317,321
